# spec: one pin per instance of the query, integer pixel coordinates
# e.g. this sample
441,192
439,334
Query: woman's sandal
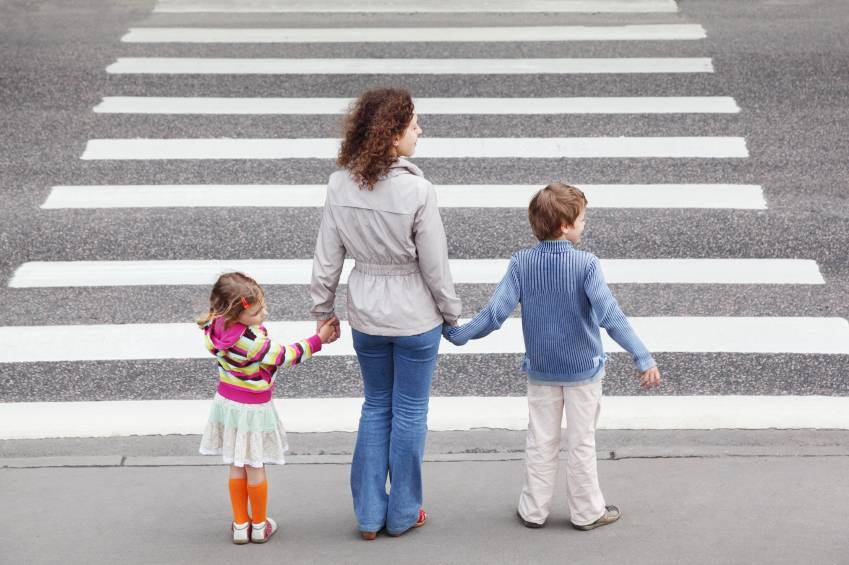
422,519
419,523
368,536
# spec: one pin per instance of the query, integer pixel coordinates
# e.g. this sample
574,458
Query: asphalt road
786,63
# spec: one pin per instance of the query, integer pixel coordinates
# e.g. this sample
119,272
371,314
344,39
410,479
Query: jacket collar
402,166
555,246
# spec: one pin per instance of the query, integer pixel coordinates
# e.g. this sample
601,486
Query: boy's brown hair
230,294
553,206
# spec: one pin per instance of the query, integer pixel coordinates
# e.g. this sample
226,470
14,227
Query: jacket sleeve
612,319
266,351
432,249
327,264
507,296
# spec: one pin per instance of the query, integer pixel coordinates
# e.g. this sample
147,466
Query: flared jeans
397,373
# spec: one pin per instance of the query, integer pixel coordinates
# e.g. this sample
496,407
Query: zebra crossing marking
38,420
429,147
336,66
719,196
685,334
44,274
424,106
416,7
657,32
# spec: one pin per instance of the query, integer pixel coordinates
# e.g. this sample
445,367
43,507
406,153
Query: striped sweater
248,359
565,301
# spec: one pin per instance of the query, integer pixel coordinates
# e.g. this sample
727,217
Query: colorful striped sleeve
266,351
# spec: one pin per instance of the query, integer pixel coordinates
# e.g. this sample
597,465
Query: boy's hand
650,378
328,330
448,334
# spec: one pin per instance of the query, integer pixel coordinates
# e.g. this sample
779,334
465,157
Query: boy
564,301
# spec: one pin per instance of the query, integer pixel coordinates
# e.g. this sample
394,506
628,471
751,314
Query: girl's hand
650,378
327,331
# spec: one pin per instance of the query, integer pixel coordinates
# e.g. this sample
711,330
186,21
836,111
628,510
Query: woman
382,212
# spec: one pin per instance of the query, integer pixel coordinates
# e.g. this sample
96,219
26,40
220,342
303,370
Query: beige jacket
401,283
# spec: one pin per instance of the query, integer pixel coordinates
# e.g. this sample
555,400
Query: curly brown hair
373,122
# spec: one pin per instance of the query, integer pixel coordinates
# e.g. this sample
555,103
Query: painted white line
36,420
202,66
749,197
662,32
429,147
336,106
417,7
803,335
41,274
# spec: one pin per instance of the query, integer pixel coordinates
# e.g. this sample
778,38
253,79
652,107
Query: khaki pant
545,415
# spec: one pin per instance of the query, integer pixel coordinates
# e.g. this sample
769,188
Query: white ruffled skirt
244,434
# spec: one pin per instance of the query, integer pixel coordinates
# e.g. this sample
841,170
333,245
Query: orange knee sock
239,500
258,494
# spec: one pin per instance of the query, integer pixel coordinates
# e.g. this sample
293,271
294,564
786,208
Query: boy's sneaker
241,532
527,524
611,514
262,531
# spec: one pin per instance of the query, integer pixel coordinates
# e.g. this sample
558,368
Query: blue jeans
397,372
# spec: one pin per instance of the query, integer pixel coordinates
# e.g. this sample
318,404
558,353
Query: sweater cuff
314,343
645,363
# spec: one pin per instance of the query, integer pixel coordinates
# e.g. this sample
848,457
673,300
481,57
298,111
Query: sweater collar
555,246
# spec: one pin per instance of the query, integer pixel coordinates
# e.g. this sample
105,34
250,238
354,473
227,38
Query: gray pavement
721,497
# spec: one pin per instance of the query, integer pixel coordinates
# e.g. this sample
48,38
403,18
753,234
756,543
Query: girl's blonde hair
229,295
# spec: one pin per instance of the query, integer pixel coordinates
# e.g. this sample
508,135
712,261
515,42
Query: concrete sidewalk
724,501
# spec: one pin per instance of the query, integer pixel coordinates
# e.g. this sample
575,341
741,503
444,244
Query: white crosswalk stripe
668,32
31,420
424,106
410,6
464,271
741,197
109,342
432,147
339,66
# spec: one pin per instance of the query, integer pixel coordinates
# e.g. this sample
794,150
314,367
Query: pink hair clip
245,304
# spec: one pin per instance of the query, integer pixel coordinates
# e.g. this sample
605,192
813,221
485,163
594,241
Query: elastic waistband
237,394
391,269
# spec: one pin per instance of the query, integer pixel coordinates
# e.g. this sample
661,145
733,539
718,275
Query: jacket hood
223,338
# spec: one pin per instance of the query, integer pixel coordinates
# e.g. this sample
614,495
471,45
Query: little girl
243,425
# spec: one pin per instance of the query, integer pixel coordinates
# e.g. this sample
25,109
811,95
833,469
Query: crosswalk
481,175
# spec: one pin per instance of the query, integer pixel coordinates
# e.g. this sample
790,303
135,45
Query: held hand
650,378
449,334
328,330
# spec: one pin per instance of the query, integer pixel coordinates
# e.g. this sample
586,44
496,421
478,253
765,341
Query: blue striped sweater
565,301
